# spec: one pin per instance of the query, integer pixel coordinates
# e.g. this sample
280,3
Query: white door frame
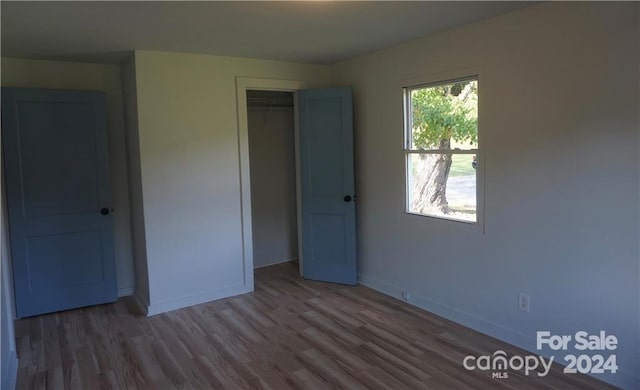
242,85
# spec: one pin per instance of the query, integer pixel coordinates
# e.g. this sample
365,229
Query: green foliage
444,113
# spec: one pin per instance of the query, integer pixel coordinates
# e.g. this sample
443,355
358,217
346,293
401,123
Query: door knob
347,198
105,211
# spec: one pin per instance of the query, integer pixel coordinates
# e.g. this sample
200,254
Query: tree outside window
441,146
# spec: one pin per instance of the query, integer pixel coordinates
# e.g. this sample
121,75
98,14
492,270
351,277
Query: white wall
95,77
189,162
559,137
139,248
273,185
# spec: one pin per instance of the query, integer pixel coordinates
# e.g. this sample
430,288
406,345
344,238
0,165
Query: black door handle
105,211
347,198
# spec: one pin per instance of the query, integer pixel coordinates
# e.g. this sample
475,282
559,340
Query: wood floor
289,334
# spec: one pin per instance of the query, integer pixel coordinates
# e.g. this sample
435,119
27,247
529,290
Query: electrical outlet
524,302
406,296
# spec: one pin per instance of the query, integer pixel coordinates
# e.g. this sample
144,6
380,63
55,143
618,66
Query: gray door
57,187
328,186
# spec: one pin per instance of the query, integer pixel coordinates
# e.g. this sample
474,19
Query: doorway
324,177
272,164
243,85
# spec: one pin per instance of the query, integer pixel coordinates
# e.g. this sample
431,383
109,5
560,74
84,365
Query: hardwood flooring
288,334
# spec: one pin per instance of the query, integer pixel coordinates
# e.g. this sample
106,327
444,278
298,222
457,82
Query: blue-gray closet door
327,184
57,186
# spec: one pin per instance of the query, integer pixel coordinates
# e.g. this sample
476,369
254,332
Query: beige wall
189,160
558,126
94,77
273,185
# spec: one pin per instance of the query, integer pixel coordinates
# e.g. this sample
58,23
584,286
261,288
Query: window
441,147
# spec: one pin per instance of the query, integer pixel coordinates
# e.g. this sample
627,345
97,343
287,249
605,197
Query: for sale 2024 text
598,363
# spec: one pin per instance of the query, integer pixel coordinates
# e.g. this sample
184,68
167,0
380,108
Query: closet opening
272,164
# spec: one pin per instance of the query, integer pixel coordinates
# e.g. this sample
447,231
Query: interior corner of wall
141,301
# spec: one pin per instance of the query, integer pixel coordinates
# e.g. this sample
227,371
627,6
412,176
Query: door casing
242,85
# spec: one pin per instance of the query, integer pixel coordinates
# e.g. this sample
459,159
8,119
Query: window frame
407,150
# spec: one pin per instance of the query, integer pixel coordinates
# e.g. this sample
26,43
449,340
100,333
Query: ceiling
309,31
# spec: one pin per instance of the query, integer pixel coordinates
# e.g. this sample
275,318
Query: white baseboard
174,304
623,379
274,263
10,373
125,291
481,325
